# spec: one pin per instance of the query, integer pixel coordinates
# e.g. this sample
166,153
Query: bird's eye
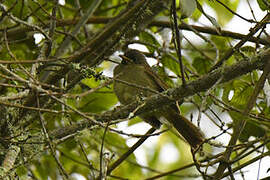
126,60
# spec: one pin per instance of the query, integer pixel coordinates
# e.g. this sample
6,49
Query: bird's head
133,56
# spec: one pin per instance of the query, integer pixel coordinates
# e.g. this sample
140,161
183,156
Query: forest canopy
61,119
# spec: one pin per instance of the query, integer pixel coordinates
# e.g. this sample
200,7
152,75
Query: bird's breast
130,83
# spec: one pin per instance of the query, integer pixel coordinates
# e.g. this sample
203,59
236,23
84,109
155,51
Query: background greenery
58,114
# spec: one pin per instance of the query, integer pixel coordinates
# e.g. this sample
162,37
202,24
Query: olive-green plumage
134,73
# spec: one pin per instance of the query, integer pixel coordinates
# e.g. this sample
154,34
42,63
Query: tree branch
126,26
20,32
202,84
239,126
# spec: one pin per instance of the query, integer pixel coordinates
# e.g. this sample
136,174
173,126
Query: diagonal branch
130,151
202,84
126,26
254,30
65,44
14,33
239,126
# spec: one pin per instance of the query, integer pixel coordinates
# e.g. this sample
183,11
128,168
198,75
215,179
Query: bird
134,78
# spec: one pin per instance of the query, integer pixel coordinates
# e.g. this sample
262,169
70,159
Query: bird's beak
126,59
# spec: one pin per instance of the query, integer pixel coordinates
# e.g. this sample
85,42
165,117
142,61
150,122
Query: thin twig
239,126
102,174
234,13
230,52
51,145
177,42
126,154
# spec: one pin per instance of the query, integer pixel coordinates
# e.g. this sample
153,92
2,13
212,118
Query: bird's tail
187,129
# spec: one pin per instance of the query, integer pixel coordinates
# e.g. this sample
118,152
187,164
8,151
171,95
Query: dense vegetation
59,116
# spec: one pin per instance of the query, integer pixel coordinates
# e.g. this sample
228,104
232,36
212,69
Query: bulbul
134,73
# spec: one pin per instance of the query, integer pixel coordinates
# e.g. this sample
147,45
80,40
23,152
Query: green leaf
242,91
221,44
18,9
149,38
210,18
171,64
264,4
201,65
21,171
42,171
196,15
84,3
134,121
249,51
101,100
223,15
251,128
187,7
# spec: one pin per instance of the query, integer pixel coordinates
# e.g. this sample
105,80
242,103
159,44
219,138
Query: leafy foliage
58,107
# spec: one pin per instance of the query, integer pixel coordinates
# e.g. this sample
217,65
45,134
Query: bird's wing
162,86
159,82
